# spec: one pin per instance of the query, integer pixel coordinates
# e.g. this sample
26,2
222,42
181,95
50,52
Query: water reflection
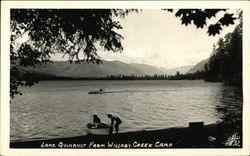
231,105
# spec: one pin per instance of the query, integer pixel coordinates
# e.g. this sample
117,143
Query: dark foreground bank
209,136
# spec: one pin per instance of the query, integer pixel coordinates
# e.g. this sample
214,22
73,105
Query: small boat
97,92
98,128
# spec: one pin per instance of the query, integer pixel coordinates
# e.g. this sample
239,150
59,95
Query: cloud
156,37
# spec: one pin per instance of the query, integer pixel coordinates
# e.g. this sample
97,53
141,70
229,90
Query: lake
53,109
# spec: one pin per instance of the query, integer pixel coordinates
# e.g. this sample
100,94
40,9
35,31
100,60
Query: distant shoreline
127,79
70,78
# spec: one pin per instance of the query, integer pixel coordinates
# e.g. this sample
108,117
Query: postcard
125,78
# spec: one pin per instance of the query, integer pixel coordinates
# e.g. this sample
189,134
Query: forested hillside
225,63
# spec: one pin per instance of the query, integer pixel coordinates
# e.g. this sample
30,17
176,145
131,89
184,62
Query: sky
157,38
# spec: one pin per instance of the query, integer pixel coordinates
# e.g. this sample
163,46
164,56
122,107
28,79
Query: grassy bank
209,136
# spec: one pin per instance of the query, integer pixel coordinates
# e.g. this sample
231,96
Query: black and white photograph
114,77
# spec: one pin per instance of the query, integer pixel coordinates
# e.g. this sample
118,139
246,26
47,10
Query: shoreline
179,137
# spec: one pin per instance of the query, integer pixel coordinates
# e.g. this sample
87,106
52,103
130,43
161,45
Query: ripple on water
62,109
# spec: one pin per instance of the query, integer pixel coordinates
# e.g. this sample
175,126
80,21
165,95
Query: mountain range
74,70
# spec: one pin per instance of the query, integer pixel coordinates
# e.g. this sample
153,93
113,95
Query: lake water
53,109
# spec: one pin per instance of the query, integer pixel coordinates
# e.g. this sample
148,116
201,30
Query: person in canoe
96,119
101,90
115,122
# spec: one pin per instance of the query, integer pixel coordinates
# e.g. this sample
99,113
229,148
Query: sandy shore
182,137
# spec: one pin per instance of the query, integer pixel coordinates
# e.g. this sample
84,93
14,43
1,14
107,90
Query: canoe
98,128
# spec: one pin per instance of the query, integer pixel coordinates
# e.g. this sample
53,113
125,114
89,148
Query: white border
5,111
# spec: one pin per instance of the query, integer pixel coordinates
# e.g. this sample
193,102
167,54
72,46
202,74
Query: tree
225,63
177,73
200,17
71,31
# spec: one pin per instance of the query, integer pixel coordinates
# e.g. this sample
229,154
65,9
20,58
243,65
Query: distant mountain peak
199,66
